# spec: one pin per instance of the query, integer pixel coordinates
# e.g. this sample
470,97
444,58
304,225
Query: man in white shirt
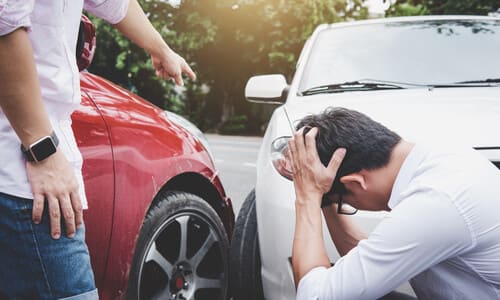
443,230
39,89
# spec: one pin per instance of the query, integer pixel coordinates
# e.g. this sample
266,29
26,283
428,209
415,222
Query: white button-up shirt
53,30
442,234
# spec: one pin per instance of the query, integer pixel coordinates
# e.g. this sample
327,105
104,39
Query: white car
433,78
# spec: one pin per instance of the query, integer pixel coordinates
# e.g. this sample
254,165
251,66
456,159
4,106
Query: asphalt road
235,158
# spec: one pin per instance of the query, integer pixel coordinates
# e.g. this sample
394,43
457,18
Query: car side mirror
271,89
85,46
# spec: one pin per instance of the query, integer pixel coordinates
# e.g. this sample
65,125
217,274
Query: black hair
368,143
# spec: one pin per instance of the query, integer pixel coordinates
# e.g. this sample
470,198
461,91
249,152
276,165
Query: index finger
187,69
311,141
38,203
298,139
336,160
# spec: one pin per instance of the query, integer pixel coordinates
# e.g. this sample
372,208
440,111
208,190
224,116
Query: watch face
43,149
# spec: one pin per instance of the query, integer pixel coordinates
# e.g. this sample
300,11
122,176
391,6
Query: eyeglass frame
327,201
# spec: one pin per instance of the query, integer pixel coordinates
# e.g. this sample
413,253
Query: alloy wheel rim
185,259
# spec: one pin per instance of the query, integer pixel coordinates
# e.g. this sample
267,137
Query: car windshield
425,52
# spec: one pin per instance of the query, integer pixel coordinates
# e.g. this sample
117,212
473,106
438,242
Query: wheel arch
200,186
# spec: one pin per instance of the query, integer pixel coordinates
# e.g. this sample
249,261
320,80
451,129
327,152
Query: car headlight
191,128
280,157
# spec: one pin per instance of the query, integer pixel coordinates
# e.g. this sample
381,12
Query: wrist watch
41,149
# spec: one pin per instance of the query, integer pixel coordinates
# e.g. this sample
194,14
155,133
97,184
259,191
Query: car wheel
181,252
245,273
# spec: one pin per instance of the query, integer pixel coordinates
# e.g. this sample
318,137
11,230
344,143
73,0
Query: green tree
120,61
226,42
257,37
442,7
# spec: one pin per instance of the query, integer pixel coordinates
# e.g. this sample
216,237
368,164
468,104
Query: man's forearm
308,247
343,230
20,96
166,62
136,27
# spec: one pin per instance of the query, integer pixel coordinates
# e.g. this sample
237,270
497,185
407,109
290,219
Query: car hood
468,116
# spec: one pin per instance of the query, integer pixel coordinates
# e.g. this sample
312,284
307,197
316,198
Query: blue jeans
33,265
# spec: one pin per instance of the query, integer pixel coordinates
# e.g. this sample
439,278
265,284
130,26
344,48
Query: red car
159,222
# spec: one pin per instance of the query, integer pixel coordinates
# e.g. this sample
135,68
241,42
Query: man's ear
354,179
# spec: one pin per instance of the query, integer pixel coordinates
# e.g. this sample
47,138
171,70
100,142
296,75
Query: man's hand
53,180
136,27
311,178
170,65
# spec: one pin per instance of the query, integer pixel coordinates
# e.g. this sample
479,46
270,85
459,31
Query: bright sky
375,6
174,2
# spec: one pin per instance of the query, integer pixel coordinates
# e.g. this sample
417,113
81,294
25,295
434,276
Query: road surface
235,158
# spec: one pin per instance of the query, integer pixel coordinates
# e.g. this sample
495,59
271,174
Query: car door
93,141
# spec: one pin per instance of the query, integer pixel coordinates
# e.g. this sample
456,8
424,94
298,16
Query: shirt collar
405,174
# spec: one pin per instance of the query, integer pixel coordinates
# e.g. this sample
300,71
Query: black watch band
42,148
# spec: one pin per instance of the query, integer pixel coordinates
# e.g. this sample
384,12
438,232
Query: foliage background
228,41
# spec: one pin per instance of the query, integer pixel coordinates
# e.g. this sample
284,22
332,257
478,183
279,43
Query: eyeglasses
342,208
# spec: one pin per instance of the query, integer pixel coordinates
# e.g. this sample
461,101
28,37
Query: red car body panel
131,152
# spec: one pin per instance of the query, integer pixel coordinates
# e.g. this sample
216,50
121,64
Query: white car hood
469,116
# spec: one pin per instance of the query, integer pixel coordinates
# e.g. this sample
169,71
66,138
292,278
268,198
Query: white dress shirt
53,30
442,234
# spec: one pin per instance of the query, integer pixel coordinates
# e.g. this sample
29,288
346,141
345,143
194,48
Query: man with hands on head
43,254
443,229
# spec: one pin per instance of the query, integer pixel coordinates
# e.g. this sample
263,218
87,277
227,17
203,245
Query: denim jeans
35,266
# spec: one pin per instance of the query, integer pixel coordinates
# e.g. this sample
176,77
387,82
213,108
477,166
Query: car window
419,52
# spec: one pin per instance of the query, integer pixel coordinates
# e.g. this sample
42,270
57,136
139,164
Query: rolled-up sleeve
310,284
113,11
14,15
412,239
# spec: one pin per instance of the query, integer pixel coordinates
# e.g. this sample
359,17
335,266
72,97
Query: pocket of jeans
20,208
15,214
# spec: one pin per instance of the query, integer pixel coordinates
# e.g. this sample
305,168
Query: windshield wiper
358,85
488,80
469,83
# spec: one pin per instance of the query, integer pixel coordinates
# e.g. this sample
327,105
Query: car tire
181,252
245,271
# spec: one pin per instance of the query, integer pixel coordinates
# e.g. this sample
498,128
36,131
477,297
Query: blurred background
228,41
